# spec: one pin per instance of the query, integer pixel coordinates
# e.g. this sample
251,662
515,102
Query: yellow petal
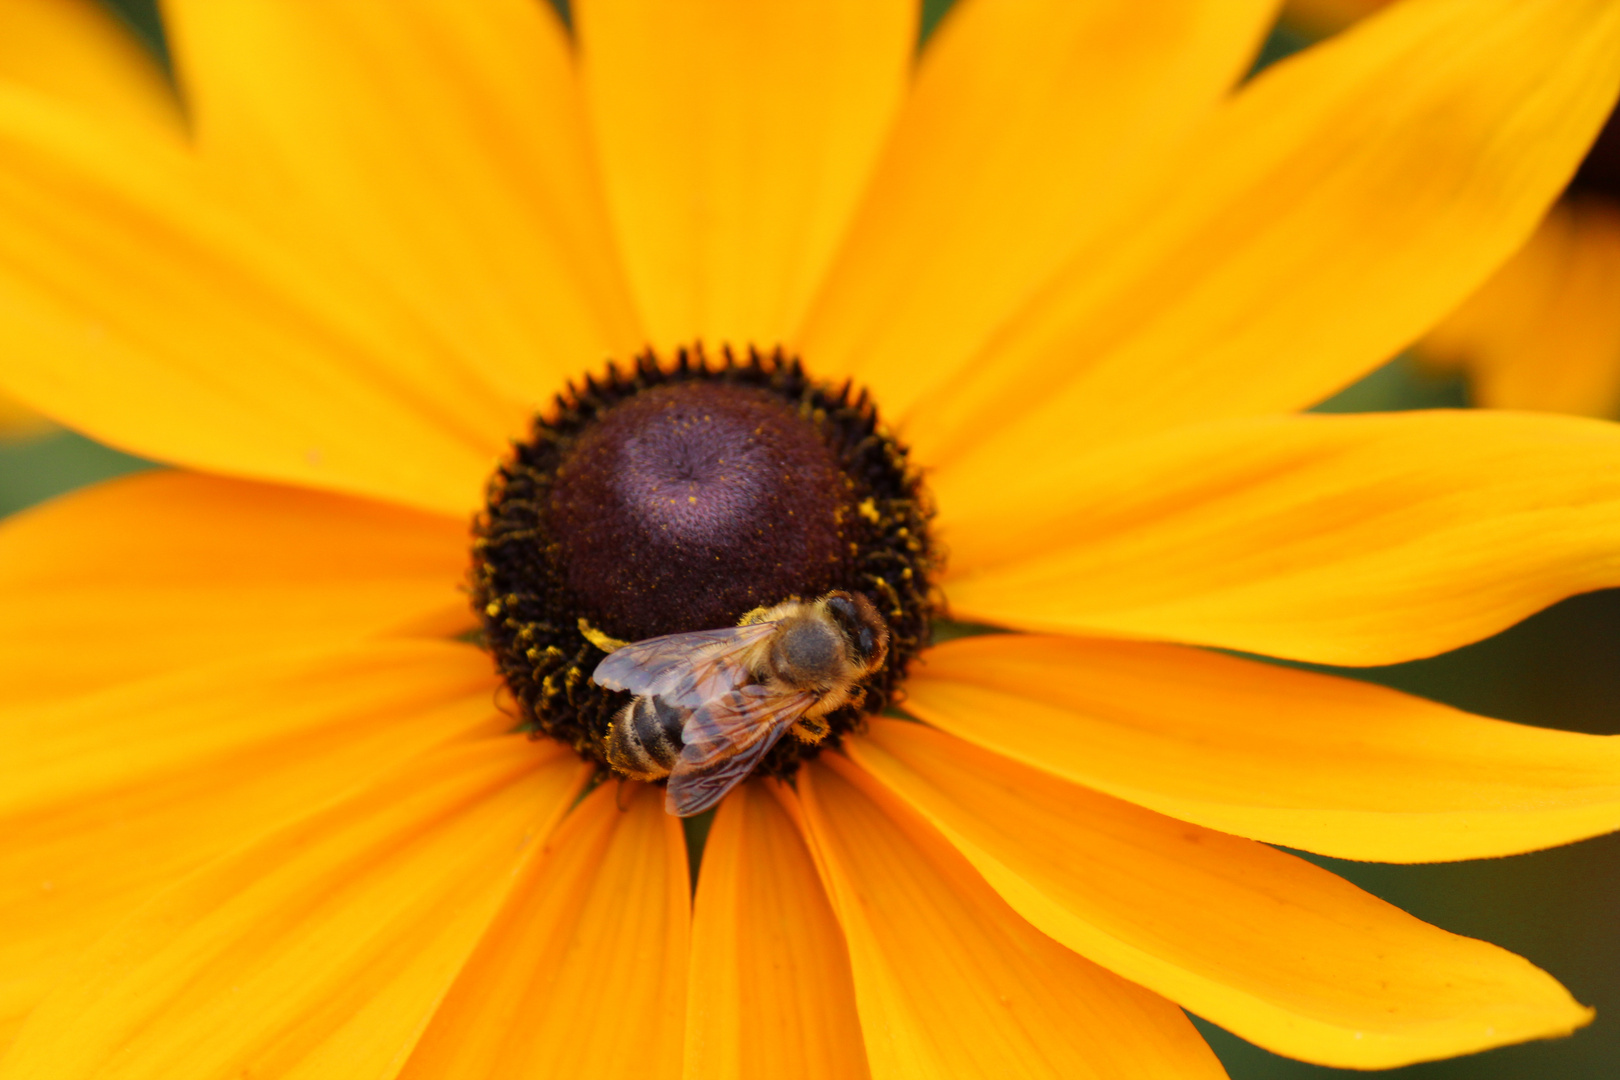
583,974
770,995
1544,333
1309,761
167,570
1339,539
142,305
77,51
318,951
735,137
442,146
950,981
117,795
1343,203
1263,943
1031,125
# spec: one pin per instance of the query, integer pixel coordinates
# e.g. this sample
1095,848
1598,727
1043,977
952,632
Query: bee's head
866,635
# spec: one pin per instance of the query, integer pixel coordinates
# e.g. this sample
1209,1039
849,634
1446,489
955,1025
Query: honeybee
710,705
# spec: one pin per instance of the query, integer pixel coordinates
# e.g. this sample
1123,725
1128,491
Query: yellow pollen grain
868,510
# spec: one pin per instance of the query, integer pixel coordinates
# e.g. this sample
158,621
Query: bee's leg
810,731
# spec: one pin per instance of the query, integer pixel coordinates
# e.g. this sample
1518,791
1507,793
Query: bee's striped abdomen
644,739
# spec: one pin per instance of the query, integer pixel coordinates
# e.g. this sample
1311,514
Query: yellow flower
1544,331
264,815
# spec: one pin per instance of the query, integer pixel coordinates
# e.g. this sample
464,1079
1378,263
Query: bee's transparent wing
725,739
683,669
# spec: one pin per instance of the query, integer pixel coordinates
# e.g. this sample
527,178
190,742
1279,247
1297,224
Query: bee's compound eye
842,608
847,614
866,641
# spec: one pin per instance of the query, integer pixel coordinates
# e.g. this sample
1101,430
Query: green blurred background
1559,669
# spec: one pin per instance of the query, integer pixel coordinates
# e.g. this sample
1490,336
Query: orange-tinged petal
1343,203
1265,944
318,951
442,145
117,795
583,974
1340,539
1544,333
1309,761
770,994
77,51
1032,124
167,570
142,305
735,138
950,981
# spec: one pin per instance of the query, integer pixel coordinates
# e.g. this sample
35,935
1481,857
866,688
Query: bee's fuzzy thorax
683,496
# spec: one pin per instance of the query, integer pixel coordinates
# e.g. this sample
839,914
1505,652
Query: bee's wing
725,738
683,669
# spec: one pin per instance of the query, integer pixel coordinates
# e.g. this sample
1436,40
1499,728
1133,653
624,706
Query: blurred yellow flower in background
262,816
1544,332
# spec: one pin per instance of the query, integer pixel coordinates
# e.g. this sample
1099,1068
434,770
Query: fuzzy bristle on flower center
680,496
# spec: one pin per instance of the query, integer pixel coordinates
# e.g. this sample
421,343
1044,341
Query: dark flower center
680,496
691,503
